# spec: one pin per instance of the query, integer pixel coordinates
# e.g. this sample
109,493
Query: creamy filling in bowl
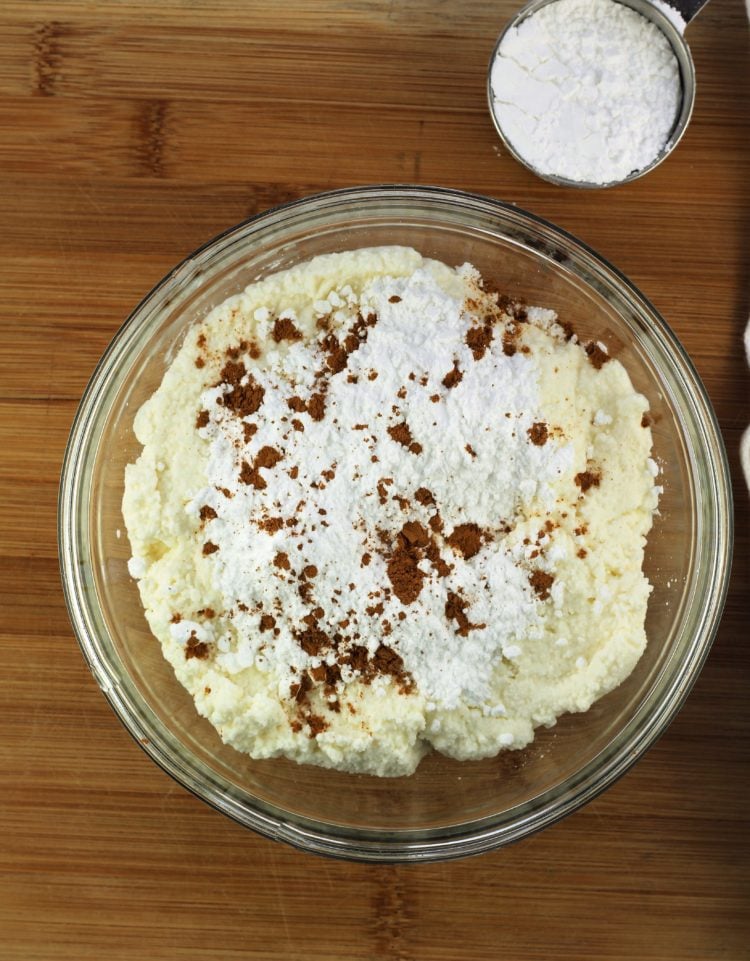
382,508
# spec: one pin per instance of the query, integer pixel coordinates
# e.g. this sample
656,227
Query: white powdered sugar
586,90
344,487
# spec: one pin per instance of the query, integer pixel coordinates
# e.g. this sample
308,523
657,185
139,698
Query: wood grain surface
132,131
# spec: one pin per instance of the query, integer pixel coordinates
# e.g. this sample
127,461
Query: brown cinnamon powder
466,539
453,377
478,339
242,400
455,610
195,648
285,329
587,479
597,357
541,582
403,571
402,435
538,433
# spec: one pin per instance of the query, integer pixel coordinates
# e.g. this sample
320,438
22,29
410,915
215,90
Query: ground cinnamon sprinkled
285,329
466,539
478,339
234,353
646,420
242,400
249,431
267,622
310,571
394,299
317,724
424,496
200,363
455,610
201,341
436,523
373,375
207,513
587,479
567,328
312,640
316,406
387,662
202,419
413,533
267,457
175,618
435,398
470,450
597,357
538,433
453,377
271,524
403,571
366,558
541,582
282,561
297,404
208,612
402,435
337,354
382,489
582,553
209,548
441,567
196,648
294,472
299,689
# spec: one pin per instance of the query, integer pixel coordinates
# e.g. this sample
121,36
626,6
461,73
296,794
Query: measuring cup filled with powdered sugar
593,93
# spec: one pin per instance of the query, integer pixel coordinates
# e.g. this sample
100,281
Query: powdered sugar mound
467,445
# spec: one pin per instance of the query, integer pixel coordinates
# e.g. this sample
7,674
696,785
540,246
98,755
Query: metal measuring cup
687,9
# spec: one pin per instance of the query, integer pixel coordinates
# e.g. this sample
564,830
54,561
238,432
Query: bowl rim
471,837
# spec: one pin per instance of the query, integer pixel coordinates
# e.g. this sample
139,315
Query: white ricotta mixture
587,90
380,508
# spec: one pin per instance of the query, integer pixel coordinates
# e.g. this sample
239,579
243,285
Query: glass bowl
447,809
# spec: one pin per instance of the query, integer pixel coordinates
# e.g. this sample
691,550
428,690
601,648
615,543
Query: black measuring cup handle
688,9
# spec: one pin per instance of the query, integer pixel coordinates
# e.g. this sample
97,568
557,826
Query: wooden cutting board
130,132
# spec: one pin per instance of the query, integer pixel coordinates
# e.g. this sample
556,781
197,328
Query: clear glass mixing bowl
448,808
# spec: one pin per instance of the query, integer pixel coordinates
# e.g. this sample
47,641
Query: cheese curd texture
380,509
